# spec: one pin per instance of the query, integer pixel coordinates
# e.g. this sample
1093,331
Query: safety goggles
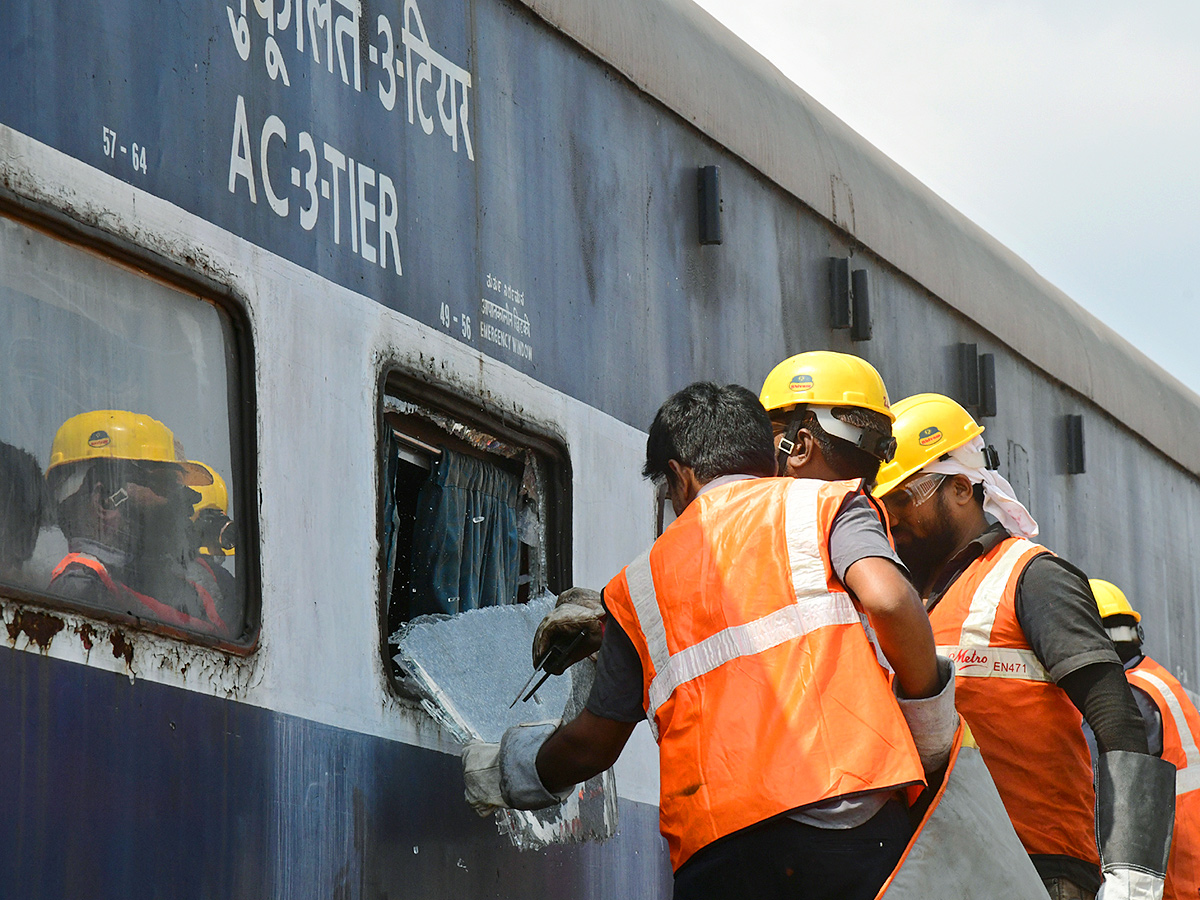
915,493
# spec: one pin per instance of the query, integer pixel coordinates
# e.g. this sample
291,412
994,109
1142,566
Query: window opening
118,459
466,515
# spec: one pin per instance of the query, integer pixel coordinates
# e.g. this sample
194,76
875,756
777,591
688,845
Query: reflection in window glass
116,455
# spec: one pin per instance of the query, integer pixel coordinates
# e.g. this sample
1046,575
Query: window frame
183,277
548,446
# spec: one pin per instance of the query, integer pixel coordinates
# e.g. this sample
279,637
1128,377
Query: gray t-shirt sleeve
1058,614
856,534
617,691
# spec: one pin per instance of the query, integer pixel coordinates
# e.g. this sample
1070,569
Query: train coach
340,254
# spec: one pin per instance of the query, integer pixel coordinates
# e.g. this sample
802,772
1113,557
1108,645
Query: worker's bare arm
585,746
900,622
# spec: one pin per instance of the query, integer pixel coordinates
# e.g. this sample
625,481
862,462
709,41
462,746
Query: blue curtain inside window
466,552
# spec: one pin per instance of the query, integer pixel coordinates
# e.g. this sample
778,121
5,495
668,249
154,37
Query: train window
118,465
473,513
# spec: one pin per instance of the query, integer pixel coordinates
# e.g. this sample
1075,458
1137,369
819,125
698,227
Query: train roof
678,54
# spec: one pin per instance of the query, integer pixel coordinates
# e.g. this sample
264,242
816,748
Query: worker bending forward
748,637
1172,732
1030,655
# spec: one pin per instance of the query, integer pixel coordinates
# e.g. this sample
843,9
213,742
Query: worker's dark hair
714,430
842,456
25,504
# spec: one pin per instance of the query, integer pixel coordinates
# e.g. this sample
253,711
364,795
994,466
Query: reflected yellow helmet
213,496
825,378
926,426
119,434
1111,600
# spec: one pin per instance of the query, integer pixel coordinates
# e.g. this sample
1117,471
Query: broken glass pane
468,669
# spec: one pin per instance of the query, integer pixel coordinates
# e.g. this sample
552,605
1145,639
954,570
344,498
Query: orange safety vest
1181,733
1029,733
760,682
126,595
208,589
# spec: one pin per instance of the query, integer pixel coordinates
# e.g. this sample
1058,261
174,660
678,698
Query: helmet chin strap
1122,633
788,442
880,446
836,427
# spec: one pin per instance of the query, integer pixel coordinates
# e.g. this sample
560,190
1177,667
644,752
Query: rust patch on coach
121,648
39,628
86,635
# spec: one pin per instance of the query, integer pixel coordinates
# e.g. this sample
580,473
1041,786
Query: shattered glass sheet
468,668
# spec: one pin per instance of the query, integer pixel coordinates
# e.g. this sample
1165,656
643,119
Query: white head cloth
998,496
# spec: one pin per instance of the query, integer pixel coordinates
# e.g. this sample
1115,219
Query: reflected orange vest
1181,731
141,604
1028,731
760,683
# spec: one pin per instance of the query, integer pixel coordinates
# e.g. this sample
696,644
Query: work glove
932,720
481,777
504,775
578,609
1135,817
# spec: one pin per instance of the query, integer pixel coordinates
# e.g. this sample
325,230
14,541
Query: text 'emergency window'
119,485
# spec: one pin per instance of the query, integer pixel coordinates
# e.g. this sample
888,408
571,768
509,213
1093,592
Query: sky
1069,130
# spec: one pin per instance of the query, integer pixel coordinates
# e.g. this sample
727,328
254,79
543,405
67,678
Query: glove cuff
1121,883
932,720
1135,812
520,784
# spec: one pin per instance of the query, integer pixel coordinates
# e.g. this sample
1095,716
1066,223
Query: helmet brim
194,474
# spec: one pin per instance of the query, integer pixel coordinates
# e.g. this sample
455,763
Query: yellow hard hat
825,378
926,426
1111,600
213,496
119,434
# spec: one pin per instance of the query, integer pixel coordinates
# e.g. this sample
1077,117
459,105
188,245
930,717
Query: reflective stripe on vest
815,607
1027,728
167,614
973,656
208,592
1180,728
756,671
994,662
1187,779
